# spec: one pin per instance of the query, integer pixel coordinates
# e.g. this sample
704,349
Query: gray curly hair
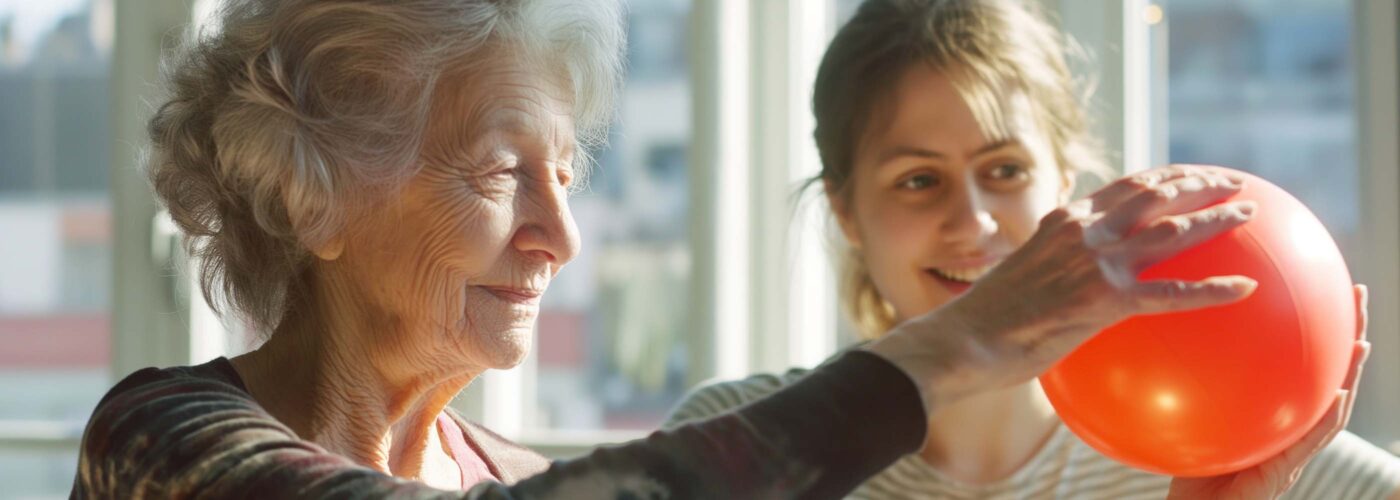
296,115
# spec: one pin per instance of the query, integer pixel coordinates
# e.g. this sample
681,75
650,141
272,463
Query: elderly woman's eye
918,182
500,170
492,177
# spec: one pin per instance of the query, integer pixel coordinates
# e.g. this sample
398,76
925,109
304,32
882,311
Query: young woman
947,130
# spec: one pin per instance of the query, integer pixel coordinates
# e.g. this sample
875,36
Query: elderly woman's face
479,232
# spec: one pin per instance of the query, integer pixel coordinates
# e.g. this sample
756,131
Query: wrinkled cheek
493,334
472,236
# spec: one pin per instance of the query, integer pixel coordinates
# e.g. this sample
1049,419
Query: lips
526,296
957,278
962,274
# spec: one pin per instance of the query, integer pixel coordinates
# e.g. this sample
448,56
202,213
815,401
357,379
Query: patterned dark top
196,432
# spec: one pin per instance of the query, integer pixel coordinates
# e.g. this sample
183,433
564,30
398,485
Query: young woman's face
934,203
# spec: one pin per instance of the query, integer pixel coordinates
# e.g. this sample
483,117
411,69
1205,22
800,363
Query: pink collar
474,469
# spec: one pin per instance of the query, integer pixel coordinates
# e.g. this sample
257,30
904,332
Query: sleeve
818,438
713,398
1351,468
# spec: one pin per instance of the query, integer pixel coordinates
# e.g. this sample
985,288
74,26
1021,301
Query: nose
968,216
548,232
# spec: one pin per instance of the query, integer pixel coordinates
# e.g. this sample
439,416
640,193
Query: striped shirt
1065,467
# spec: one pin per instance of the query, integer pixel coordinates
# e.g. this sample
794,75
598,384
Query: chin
506,349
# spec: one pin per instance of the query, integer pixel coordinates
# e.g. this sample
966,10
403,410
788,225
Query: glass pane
842,10
611,345
56,222
55,215
1268,89
37,474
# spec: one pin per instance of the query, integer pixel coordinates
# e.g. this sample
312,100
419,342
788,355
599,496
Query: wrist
940,353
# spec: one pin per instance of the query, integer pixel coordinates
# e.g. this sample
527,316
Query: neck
343,374
988,437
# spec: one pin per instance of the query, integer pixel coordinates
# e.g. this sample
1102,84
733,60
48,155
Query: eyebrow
515,126
918,152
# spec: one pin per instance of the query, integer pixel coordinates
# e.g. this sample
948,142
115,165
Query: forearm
818,438
940,354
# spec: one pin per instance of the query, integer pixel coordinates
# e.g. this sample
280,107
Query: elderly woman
380,187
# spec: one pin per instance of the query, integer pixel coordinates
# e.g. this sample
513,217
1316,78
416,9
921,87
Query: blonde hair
297,115
989,49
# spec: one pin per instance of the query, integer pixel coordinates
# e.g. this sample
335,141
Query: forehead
505,97
928,104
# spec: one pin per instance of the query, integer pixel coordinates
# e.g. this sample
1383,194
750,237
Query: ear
1067,184
324,246
844,216
330,249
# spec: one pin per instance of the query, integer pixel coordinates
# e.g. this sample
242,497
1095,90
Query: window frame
149,325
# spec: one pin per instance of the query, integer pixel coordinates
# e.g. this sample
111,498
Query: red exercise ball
1218,390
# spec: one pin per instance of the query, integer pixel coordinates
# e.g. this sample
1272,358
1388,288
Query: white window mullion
732,299
1377,52
1135,59
794,306
812,303
147,324
719,163
772,83
1115,34
503,394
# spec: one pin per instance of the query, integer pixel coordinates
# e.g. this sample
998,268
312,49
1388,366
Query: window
611,350
1274,91
1267,90
695,264
56,222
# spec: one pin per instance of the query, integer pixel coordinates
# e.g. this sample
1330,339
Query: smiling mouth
961,274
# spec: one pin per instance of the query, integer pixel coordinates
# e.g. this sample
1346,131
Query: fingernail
1245,286
1247,208
1234,182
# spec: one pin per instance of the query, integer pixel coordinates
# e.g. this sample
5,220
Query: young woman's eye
1008,171
918,182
